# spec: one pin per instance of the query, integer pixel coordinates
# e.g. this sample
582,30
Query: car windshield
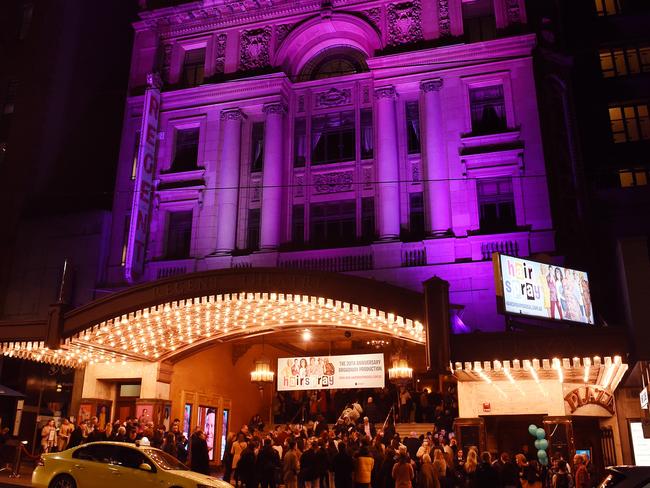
164,460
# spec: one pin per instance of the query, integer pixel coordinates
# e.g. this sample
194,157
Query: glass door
225,420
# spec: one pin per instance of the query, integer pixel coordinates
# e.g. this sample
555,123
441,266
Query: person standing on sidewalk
48,437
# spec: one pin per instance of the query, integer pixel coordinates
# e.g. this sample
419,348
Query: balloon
543,462
543,444
541,454
540,433
532,429
537,445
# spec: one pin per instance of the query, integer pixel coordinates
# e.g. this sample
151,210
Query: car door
125,468
90,466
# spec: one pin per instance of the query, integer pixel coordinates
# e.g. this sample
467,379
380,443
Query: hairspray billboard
530,288
331,372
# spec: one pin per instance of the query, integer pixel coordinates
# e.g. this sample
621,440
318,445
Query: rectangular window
125,239
607,7
257,146
298,224
179,235
416,214
253,229
332,223
479,23
633,177
629,123
496,205
488,109
413,127
366,135
193,67
368,218
136,148
625,61
300,143
332,137
186,150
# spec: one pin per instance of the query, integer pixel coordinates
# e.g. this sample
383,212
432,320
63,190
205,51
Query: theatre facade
345,169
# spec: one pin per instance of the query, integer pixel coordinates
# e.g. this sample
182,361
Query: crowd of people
411,405
358,455
353,452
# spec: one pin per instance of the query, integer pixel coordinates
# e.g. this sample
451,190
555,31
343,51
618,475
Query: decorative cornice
232,114
385,92
431,85
275,108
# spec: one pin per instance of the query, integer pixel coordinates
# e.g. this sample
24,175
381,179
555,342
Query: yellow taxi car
117,464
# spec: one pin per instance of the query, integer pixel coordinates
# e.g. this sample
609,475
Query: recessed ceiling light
306,335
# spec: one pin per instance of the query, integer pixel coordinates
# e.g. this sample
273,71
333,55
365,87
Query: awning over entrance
156,330
606,372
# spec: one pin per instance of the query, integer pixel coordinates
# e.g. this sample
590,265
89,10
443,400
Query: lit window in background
633,177
629,123
624,61
607,7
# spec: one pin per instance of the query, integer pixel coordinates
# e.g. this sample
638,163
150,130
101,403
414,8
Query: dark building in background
63,79
594,74
63,76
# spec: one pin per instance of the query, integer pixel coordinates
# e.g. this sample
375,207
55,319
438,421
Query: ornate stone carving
404,22
301,103
374,16
385,92
232,114
220,53
415,173
513,11
256,191
281,33
335,182
431,85
274,108
444,22
367,178
299,186
254,48
334,97
366,94
154,81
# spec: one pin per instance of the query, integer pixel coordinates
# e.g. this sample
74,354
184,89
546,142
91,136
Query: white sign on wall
536,289
331,372
640,445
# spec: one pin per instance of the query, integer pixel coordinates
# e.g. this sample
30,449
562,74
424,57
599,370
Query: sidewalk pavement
25,478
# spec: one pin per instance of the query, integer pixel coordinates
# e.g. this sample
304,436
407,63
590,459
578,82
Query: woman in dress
302,372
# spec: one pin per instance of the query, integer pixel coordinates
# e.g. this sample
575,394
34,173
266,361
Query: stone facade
364,74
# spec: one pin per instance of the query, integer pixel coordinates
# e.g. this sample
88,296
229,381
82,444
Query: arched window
336,61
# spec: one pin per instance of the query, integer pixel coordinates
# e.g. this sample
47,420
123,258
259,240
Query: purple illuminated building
390,140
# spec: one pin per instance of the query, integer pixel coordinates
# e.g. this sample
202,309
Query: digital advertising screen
533,289
331,372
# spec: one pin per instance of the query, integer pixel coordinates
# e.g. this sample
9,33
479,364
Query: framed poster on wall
640,445
187,419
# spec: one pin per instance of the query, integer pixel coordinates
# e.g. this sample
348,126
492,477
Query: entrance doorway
127,394
510,433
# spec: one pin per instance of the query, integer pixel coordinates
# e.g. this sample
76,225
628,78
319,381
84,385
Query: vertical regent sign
143,189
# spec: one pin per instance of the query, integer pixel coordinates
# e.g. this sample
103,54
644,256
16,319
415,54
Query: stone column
387,163
435,165
229,180
272,176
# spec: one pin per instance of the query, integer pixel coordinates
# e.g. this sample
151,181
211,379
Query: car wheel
63,481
